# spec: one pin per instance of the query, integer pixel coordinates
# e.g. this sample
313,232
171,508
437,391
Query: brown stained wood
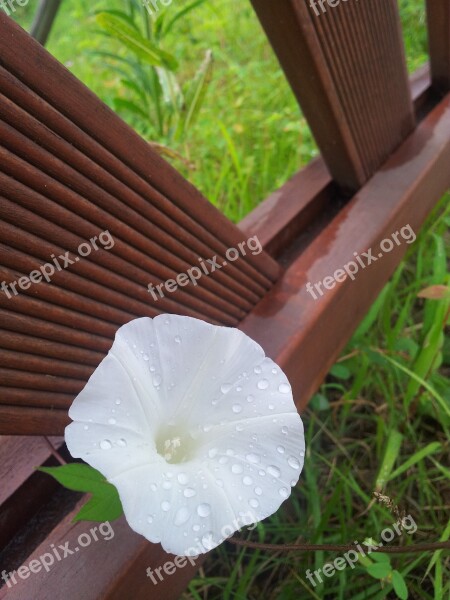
32,345
87,112
22,398
438,17
304,335
29,420
113,569
151,238
38,381
54,332
289,210
347,69
19,458
38,364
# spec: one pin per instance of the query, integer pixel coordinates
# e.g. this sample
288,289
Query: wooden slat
438,16
30,420
347,69
40,71
305,336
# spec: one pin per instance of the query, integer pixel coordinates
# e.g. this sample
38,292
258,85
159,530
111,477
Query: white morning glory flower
195,427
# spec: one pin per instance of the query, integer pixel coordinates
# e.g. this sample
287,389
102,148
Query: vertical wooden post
438,16
345,63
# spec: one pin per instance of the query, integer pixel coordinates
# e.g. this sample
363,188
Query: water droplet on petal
86,427
223,460
274,371
182,516
250,398
177,339
263,384
252,458
149,519
257,370
237,408
208,540
165,506
212,452
167,485
284,430
239,427
157,380
196,527
203,510
225,387
281,449
122,443
239,389
274,471
112,421
118,401
182,478
293,462
283,492
284,388
189,492
247,480
105,445
153,487
145,357
258,491
253,502
271,406
237,469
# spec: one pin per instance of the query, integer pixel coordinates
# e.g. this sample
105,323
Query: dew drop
271,406
177,339
274,371
257,370
225,387
86,427
149,519
252,458
223,460
167,485
196,527
212,452
293,462
253,502
258,491
152,369
182,478
105,445
247,480
263,384
284,430
157,379
118,401
112,421
182,516
239,389
239,427
284,388
261,473
237,408
208,540
281,449
165,506
145,357
274,471
283,492
153,487
250,398
237,469
189,492
122,443
203,510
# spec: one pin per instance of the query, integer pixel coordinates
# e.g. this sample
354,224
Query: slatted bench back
71,169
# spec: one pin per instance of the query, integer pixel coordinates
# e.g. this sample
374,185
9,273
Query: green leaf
340,372
319,402
399,585
415,458
380,557
134,41
379,570
197,92
105,503
391,453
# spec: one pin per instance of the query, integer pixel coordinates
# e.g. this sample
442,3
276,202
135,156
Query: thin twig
431,547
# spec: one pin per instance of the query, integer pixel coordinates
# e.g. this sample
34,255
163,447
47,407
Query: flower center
175,445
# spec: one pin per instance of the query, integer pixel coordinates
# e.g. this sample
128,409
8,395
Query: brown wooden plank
305,335
30,420
347,69
84,109
39,364
438,17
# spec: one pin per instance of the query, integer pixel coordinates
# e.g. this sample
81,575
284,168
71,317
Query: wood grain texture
347,69
438,18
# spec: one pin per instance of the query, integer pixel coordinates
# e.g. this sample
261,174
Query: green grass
381,416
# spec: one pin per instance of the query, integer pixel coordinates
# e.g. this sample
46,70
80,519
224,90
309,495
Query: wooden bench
70,168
